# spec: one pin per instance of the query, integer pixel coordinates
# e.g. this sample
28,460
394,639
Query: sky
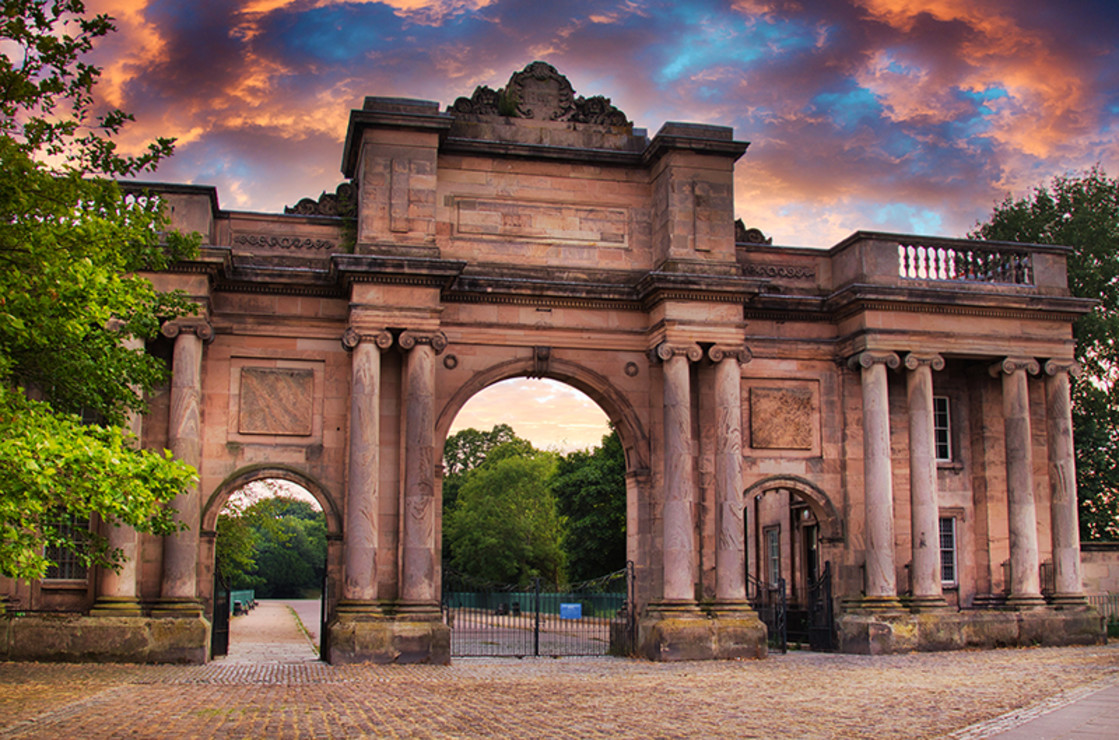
914,116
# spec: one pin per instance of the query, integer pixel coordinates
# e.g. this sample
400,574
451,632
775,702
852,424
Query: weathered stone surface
276,401
75,638
674,634
782,418
901,632
379,639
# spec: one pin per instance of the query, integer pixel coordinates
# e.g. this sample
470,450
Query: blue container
571,611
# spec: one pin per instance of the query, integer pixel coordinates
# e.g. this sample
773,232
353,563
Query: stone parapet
104,639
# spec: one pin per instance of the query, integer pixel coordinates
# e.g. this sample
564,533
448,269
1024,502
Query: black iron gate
324,619
770,602
595,617
219,636
821,612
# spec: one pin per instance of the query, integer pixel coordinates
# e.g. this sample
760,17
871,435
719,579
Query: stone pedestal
101,639
367,637
868,632
671,632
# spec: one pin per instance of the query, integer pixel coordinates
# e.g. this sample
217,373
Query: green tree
276,545
505,526
235,548
590,490
1082,211
71,299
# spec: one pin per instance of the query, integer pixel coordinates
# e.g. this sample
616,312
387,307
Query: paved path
960,695
269,634
1093,716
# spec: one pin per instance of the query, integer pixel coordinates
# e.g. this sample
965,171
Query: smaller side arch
246,475
831,526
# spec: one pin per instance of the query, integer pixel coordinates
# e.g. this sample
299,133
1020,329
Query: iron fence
490,619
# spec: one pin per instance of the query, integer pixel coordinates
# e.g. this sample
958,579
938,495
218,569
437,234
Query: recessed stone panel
276,401
782,418
583,224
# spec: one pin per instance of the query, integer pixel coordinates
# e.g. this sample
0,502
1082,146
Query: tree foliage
505,526
276,546
518,512
74,313
590,490
1082,211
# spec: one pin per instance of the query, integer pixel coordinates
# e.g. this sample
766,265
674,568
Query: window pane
948,550
942,428
67,565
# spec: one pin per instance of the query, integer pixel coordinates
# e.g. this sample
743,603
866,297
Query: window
942,428
773,555
68,566
948,575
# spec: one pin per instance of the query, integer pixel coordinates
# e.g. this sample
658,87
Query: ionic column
1062,482
881,574
1025,582
116,589
924,507
679,484
180,550
418,575
359,545
730,550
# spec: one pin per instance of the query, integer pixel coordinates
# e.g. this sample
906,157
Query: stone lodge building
892,411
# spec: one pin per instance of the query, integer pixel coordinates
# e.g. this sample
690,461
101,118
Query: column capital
1011,365
868,359
410,338
198,327
351,338
719,352
665,351
1055,367
914,360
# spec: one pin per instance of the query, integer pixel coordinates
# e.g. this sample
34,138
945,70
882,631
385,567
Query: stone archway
831,526
634,438
238,480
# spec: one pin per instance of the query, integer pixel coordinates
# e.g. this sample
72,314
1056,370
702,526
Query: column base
354,606
177,608
874,604
925,603
377,637
1068,601
1025,601
116,606
681,631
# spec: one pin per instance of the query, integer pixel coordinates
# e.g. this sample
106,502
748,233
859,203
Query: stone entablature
764,395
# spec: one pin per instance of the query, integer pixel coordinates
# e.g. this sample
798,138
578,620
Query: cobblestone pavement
963,695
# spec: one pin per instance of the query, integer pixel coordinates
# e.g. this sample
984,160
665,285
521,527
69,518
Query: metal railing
489,619
770,601
1106,604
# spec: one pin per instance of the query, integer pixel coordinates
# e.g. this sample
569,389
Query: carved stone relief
541,93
